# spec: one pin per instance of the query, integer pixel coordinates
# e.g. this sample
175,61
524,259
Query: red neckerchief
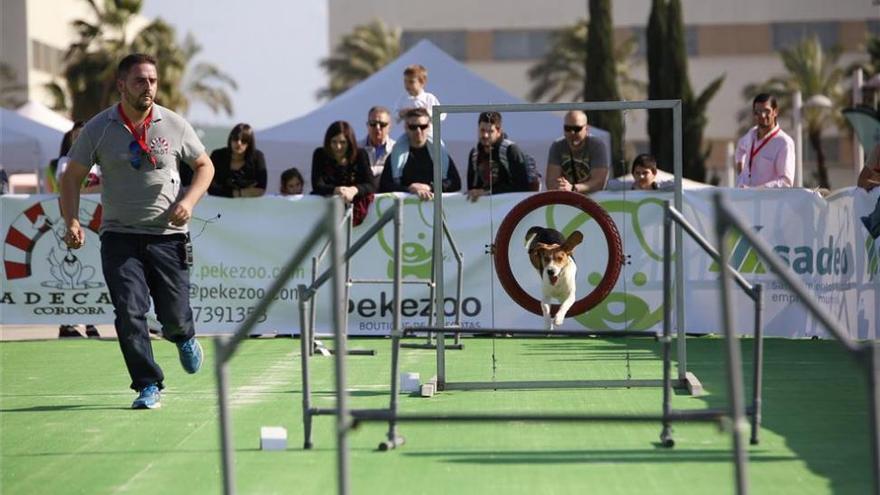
754,151
140,138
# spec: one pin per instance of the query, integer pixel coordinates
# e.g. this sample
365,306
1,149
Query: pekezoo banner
241,245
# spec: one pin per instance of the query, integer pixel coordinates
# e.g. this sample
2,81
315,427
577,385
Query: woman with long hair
340,168
240,168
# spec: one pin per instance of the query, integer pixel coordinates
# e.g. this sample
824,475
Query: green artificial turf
65,425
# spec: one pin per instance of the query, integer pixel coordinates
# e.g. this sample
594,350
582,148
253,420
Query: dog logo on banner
417,244
22,247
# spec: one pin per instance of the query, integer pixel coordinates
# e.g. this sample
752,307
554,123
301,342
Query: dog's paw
557,321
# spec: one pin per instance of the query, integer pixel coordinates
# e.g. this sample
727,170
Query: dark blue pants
137,267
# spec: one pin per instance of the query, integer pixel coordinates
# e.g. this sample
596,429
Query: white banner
242,244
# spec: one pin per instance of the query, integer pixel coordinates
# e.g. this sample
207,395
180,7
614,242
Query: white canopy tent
45,115
26,145
292,143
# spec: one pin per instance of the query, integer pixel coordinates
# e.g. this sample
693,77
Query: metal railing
866,354
306,308
225,347
431,283
754,292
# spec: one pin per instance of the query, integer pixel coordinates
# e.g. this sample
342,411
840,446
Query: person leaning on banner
410,168
378,142
340,168
869,178
240,166
145,248
577,161
765,155
490,171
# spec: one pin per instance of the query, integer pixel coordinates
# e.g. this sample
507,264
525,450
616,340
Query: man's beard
136,102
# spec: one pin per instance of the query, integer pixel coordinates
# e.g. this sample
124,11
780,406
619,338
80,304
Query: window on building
46,58
452,42
787,34
691,41
520,44
874,27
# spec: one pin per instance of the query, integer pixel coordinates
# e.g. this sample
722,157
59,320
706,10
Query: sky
270,47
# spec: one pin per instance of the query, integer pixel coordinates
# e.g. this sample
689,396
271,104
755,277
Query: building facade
740,40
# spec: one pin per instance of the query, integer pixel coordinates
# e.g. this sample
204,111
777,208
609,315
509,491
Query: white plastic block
409,382
273,438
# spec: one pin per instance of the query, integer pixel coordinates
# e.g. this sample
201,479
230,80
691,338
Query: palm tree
871,66
560,74
812,71
91,62
204,82
10,88
365,50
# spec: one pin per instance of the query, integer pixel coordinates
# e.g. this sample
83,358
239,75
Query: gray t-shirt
136,194
577,165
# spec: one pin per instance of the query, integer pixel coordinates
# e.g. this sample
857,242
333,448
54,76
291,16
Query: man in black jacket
496,165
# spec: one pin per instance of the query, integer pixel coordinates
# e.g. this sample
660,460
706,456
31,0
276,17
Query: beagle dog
550,254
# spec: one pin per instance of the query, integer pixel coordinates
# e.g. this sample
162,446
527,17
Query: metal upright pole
797,109
396,330
758,365
226,447
343,419
677,158
437,252
872,353
666,433
734,362
305,345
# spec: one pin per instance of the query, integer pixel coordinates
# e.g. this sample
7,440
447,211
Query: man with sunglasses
378,143
145,249
765,155
410,168
577,161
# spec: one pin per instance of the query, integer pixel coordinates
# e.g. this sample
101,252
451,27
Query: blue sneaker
148,398
190,355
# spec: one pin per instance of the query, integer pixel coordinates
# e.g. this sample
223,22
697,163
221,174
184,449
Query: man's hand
422,190
75,238
474,194
181,213
562,184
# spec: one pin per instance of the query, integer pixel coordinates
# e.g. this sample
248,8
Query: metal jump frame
684,378
225,347
351,418
866,354
306,299
348,220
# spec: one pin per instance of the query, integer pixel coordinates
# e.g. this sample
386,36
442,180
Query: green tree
659,130
601,83
10,87
360,54
90,68
670,63
870,67
813,71
561,73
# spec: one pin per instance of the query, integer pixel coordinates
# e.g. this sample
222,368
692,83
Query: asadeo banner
241,246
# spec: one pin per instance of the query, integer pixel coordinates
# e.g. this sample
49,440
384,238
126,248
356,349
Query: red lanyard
140,138
755,151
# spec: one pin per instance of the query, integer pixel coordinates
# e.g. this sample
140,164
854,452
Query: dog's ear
573,240
531,234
